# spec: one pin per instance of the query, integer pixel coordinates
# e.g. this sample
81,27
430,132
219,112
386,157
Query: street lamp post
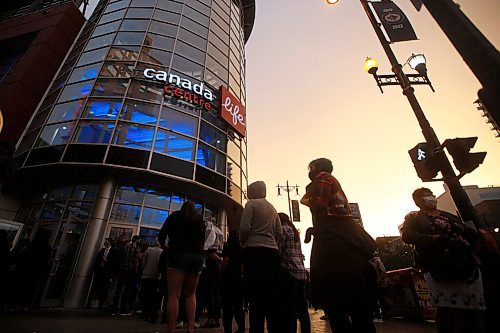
288,189
457,192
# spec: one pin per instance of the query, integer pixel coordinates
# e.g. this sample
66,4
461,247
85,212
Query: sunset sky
308,97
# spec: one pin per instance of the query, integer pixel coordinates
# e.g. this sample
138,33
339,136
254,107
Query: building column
82,275
222,222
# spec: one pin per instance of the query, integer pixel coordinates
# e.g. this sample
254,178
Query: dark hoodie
260,225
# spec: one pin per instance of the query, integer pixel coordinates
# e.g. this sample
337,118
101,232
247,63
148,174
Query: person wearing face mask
446,252
341,275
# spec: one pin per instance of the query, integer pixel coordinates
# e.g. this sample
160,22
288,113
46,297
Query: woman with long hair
185,230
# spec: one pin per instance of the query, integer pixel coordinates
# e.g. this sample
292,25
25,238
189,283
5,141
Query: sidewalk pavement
92,321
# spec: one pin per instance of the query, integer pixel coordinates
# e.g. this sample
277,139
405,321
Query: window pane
125,214
210,158
191,38
194,27
134,136
196,16
159,42
84,73
110,87
178,121
60,193
129,38
134,25
155,56
66,111
146,91
190,52
130,194
174,145
84,192
124,53
76,91
111,17
172,6
101,109
214,80
234,172
157,198
187,67
200,7
116,5
79,211
216,68
55,134
139,13
140,112
100,41
149,236
153,217
177,201
106,28
220,54
94,132
164,16
92,56
212,136
143,3
163,28
117,69
233,151
52,211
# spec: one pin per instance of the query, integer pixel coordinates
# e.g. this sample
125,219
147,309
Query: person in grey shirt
150,297
260,234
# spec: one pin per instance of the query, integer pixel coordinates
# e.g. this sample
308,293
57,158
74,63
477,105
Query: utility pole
288,189
462,201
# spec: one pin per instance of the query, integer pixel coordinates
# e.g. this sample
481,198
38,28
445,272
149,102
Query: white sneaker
179,325
196,324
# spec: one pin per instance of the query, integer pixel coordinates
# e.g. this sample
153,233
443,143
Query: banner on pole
295,211
395,23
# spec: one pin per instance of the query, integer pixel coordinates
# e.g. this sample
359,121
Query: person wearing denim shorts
185,230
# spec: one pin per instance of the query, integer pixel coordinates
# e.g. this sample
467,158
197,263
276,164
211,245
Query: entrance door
65,249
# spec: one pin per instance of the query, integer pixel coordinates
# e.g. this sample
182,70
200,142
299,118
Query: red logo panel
232,111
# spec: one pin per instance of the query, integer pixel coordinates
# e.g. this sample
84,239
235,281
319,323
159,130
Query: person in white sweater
260,234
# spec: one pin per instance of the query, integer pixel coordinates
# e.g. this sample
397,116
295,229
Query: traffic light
464,160
425,161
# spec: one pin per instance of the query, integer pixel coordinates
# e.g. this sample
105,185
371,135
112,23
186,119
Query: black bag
451,260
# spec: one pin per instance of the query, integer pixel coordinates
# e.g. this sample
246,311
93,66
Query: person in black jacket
446,252
232,284
185,230
104,265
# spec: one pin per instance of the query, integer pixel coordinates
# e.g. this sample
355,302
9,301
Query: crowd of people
260,267
22,271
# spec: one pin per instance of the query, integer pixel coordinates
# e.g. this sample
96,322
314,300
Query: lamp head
371,66
332,2
417,62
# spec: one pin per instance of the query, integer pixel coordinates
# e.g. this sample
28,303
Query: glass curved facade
110,103
130,128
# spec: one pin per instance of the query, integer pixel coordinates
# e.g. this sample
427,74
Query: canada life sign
231,109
